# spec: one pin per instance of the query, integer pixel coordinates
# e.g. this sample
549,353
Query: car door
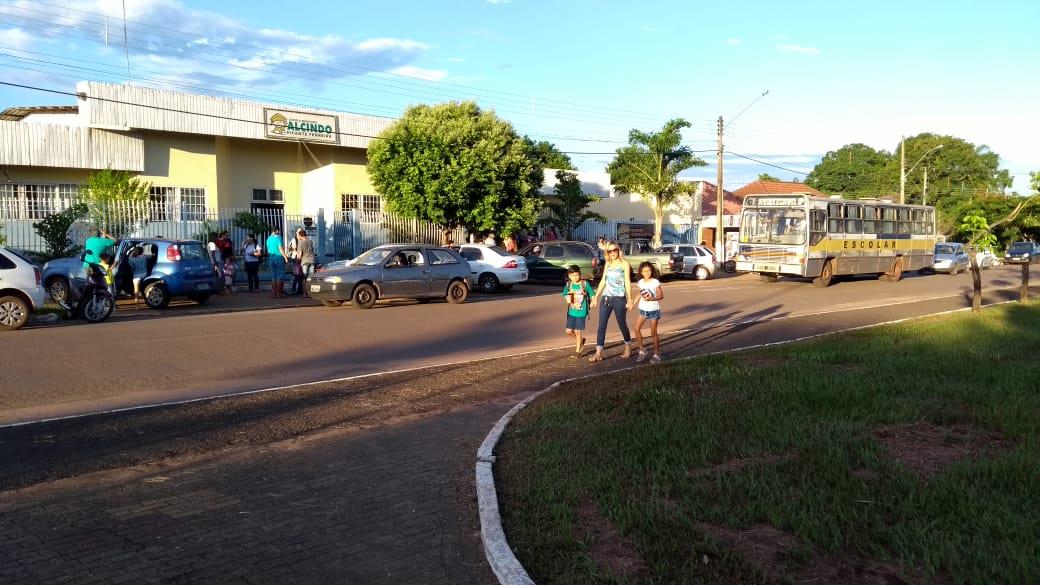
475,257
555,257
443,268
536,265
406,274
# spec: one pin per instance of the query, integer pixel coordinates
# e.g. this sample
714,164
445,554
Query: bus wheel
896,273
826,275
768,277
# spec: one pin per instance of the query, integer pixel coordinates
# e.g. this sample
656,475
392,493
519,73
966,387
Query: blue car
175,268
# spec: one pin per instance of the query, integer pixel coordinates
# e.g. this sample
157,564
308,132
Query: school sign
289,125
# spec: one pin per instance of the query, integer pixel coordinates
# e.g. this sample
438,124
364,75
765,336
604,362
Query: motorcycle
94,301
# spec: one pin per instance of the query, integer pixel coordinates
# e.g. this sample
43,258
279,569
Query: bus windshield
773,226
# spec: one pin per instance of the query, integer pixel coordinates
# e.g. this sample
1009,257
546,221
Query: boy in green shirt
576,293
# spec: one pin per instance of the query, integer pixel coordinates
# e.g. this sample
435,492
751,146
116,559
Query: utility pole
924,190
902,170
720,240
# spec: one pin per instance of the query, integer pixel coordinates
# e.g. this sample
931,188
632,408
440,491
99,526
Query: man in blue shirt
277,259
100,243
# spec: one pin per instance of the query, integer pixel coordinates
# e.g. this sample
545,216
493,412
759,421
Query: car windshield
945,249
1020,247
774,226
373,257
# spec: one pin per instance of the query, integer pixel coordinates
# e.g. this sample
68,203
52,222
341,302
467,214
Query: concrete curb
496,547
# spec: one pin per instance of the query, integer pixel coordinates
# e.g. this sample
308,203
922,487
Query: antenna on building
126,45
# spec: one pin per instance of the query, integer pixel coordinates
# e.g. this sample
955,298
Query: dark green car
549,261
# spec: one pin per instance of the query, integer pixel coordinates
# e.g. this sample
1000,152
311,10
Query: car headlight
334,279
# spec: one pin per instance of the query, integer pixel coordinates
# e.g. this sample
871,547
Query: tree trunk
976,284
1024,293
658,225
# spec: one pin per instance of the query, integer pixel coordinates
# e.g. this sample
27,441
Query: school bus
821,238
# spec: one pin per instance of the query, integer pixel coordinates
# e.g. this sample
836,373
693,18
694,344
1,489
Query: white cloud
799,49
733,42
419,73
231,50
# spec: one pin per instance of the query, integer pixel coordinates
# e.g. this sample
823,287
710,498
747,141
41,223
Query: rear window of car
499,250
576,251
193,251
554,252
472,254
945,250
6,263
441,257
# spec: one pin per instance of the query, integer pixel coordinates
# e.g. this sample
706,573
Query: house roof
18,113
731,202
776,188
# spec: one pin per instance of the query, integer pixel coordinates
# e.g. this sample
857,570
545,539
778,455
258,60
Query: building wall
634,207
181,160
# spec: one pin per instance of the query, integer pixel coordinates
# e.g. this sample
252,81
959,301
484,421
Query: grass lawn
901,453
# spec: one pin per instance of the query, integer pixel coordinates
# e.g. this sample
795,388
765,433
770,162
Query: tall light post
902,165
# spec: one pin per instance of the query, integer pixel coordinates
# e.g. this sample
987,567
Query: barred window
162,201
8,201
370,207
193,204
349,202
275,195
259,194
39,201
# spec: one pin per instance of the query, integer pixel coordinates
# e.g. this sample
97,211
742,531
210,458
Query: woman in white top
650,294
251,254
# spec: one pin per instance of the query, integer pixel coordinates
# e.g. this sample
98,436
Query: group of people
615,295
296,258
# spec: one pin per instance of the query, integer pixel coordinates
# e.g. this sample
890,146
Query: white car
986,259
21,293
698,261
493,268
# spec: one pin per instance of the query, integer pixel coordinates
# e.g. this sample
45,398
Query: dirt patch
929,449
741,463
783,556
611,551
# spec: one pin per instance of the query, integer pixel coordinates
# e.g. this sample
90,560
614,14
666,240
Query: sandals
596,357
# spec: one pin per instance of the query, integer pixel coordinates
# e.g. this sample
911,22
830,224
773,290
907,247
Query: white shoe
656,359
642,357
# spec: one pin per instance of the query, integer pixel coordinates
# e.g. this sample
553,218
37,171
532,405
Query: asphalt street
65,370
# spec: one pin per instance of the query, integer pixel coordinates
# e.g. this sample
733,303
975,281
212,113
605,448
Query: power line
800,172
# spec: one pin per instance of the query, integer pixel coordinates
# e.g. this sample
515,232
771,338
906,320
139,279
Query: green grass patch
907,452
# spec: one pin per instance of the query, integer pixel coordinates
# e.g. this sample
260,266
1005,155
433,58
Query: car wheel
488,283
14,313
200,299
365,296
457,292
729,266
896,273
156,295
701,273
58,289
332,304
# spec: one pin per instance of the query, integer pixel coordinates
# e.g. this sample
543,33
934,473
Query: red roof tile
776,188
732,203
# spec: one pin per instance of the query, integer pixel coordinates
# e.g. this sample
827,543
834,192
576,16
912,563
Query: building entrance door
272,214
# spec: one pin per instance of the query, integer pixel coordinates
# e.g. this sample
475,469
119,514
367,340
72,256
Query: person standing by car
277,259
510,244
100,243
139,266
251,253
306,258
616,289
225,245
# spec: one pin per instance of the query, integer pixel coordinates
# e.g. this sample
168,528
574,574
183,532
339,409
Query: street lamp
902,165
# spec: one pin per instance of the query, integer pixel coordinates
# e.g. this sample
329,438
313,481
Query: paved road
55,371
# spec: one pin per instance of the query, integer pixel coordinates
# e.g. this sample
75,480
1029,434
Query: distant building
776,188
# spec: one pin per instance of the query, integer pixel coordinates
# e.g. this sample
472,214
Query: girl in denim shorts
650,295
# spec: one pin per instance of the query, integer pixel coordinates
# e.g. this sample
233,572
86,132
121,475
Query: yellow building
199,153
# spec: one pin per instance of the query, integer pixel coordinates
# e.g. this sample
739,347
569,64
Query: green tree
116,201
957,172
251,223
767,177
456,165
3,238
569,209
54,229
983,238
650,166
546,155
854,170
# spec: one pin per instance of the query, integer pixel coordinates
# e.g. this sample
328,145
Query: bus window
870,224
818,227
773,226
929,222
917,218
888,223
853,219
835,215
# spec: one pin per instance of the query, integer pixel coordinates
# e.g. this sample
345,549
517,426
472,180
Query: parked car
176,268
1023,253
550,260
986,259
391,271
492,268
21,292
951,258
639,251
694,261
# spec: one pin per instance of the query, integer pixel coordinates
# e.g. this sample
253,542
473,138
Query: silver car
394,271
951,258
697,261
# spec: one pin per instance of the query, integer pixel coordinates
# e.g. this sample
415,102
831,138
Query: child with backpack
576,293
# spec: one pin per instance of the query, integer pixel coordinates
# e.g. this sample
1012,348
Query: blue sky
580,73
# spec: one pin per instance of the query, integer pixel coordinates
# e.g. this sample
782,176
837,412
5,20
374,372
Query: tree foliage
569,209
251,223
767,177
853,168
54,229
650,166
456,165
116,201
546,155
